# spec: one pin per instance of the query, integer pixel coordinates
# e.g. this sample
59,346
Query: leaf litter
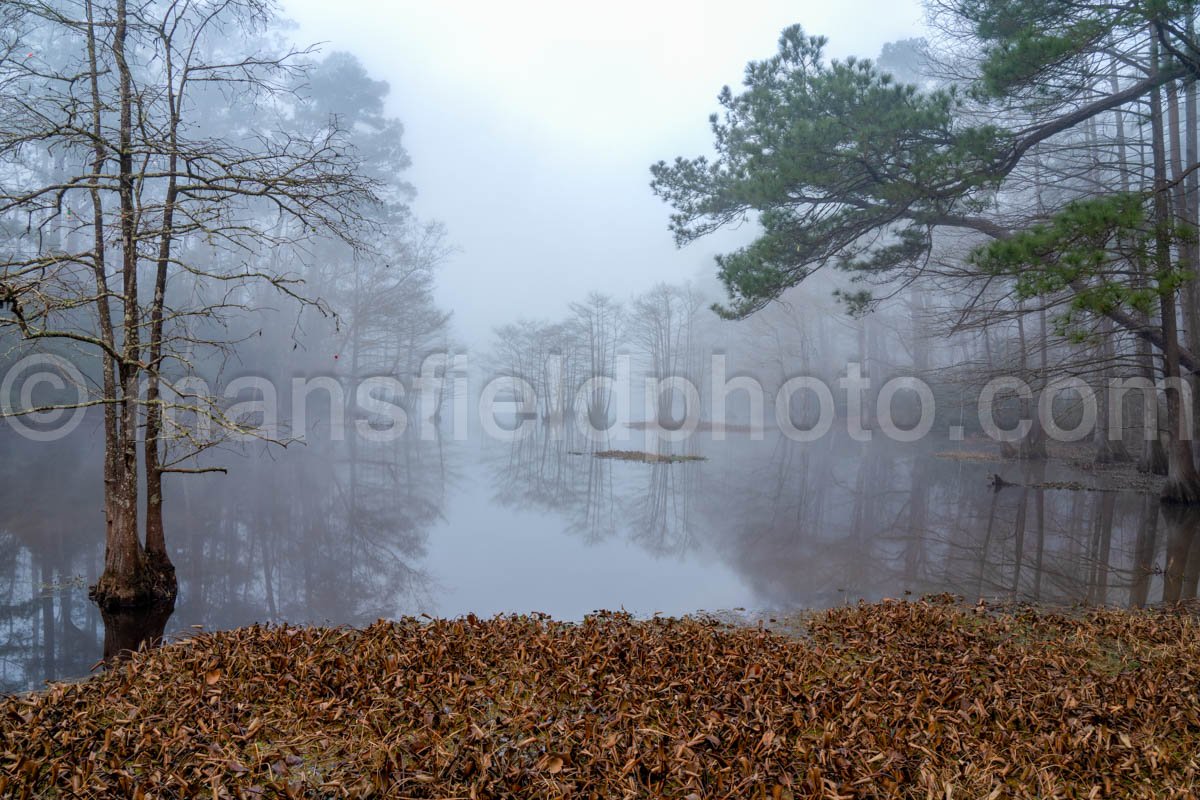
925,699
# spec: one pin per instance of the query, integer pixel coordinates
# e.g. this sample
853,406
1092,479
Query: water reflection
814,525
302,536
128,631
350,532
554,471
321,534
1183,553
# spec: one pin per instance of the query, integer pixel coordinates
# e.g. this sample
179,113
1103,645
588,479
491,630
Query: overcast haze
962,380
532,127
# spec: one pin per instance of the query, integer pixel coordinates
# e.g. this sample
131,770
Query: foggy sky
532,126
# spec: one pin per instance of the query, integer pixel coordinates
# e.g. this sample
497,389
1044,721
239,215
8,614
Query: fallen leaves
915,700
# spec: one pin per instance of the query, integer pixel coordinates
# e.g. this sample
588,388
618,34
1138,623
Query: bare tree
662,323
118,105
599,323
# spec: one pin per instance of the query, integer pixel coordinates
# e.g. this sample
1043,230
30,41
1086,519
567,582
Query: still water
350,534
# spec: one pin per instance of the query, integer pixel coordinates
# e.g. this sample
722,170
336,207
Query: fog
532,126
471,308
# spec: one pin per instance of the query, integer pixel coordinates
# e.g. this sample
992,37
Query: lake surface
352,534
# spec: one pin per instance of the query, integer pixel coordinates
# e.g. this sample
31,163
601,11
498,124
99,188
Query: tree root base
155,585
1181,492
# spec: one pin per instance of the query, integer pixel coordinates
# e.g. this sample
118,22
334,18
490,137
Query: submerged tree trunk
129,630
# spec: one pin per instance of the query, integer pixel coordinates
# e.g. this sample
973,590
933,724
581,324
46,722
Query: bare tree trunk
161,569
123,582
1110,445
1192,206
99,266
1153,457
1183,483
1186,250
1033,446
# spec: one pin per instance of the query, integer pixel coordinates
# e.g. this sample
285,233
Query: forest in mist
522,399
202,222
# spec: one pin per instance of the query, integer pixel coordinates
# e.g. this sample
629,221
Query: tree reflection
331,533
895,522
129,630
1182,569
338,531
328,533
553,469
818,524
